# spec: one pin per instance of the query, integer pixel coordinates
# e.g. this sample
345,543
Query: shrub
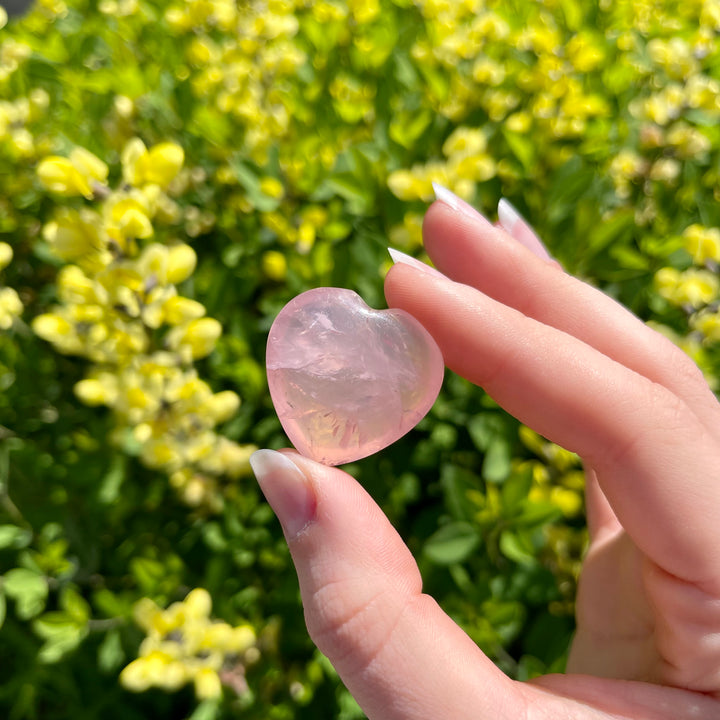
172,174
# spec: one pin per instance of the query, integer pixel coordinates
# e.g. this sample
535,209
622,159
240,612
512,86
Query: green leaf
484,428
28,589
12,536
349,187
452,543
206,710
51,624
113,480
74,605
536,513
406,128
59,645
497,461
611,230
456,482
515,548
629,259
522,147
3,608
515,490
110,653
148,572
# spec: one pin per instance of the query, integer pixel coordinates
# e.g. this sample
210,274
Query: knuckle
351,624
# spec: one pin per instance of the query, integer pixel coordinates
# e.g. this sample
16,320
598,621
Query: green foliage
211,159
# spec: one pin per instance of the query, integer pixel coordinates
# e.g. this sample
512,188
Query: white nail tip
507,214
445,195
265,462
400,257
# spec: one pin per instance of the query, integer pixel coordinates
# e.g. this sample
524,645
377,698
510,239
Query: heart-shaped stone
347,380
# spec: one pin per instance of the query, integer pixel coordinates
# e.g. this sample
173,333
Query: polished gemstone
347,380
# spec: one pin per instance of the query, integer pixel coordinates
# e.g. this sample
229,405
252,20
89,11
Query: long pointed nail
508,216
286,488
403,259
453,201
515,225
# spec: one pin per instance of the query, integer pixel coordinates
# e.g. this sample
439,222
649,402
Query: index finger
469,250
654,459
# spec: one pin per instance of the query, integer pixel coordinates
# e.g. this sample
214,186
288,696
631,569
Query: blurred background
171,174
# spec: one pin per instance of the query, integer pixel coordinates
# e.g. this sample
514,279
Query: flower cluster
10,304
558,478
184,645
120,308
557,474
526,79
694,289
467,162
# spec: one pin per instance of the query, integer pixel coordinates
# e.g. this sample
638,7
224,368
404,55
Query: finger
398,653
655,460
629,699
601,519
469,250
515,225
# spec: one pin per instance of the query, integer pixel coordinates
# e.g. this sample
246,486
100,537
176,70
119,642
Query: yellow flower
272,187
487,71
164,163
207,684
51,327
197,338
702,243
130,216
91,167
274,265
178,310
221,406
708,324
584,52
10,307
74,175
692,287
6,255
60,176
162,455
465,141
228,458
198,603
157,166
181,262
76,236
569,501
99,390
665,170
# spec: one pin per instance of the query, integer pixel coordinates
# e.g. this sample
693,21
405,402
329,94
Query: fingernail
403,259
508,216
452,200
286,488
514,224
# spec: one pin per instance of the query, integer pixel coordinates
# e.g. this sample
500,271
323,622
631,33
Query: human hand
582,371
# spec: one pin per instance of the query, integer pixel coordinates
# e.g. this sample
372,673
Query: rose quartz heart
347,380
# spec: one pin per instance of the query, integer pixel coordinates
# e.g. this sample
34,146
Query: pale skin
585,373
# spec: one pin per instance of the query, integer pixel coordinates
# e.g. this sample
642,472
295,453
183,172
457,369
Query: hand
585,373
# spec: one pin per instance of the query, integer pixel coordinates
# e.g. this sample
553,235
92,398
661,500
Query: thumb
396,651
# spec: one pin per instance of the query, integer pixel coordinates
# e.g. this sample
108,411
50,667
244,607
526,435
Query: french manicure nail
403,259
508,216
452,200
286,488
515,225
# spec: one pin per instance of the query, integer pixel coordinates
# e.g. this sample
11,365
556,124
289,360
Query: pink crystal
347,380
